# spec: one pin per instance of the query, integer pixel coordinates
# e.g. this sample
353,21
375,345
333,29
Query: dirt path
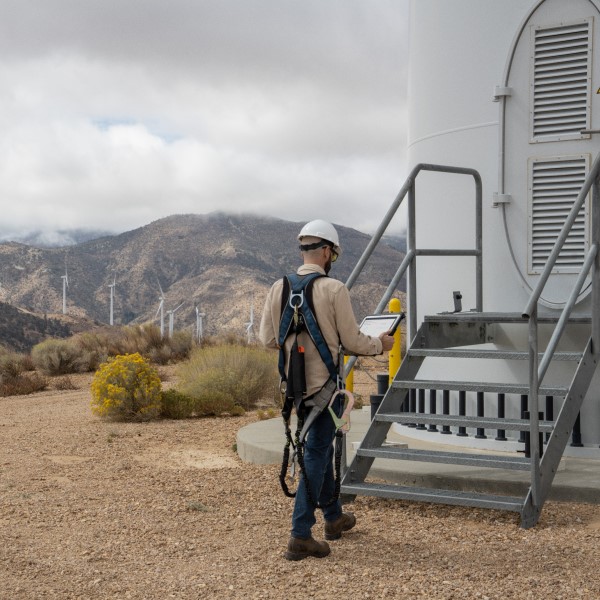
90,509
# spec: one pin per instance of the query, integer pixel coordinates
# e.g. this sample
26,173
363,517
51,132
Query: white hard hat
323,230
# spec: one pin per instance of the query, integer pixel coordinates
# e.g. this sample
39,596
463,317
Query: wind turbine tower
112,298
65,282
171,314
250,324
199,330
161,310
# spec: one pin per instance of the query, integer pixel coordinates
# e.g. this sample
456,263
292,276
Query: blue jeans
318,464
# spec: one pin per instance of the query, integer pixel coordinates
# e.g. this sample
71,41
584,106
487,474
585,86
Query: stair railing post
501,437
412,268
478,244
534,423
446,409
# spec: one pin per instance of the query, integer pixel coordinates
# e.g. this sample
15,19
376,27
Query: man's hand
387,341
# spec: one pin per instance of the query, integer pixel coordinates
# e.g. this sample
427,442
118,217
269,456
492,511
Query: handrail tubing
409,182
407,187
385,299
537,367
566,313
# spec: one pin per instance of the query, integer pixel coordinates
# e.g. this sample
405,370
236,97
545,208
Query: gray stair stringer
560,435
378,430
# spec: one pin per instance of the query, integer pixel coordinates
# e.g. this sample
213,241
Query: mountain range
221,263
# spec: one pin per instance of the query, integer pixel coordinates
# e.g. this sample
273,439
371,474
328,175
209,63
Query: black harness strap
297,314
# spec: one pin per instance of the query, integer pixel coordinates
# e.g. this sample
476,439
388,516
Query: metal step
493,354
499,317
462,421
493,461
471,386
435,496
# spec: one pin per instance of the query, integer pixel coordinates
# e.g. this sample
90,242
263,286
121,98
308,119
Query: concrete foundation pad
577,479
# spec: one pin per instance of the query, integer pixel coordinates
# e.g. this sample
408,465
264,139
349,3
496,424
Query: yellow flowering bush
126,388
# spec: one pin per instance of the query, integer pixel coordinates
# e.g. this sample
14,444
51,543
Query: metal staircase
461,336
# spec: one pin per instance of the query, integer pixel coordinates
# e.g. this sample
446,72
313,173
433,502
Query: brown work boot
333,529
297,548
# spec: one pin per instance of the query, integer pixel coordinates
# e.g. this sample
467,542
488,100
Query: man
319,246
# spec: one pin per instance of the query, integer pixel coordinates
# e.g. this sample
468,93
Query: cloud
115,113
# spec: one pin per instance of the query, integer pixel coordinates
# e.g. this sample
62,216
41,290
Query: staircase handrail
409,188
537,368
589,265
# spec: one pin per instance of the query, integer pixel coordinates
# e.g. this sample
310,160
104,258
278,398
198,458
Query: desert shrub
221,378
359,401
176,405
64,383
11,364
95,345
143,339
126,388
161,355
181,345
27,383
151,336
263,415
27,362
60,357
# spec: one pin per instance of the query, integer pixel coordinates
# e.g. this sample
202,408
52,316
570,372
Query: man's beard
327,267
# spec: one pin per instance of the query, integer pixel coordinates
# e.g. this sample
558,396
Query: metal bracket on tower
501,199
501,92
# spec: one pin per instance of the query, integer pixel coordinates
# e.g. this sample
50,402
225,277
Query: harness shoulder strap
297,291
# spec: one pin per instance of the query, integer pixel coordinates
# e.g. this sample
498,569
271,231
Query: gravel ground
90,509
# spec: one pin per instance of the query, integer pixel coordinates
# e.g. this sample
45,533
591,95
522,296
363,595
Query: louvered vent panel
555,185
561,81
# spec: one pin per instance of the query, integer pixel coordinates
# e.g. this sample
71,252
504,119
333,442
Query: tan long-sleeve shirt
334,313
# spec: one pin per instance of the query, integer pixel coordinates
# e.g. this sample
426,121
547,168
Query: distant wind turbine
250,324
65,280
112,298
161,310
171,314
199,331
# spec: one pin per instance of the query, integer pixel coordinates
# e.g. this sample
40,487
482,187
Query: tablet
375,325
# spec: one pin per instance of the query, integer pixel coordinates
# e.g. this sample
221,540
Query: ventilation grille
561,81
555,185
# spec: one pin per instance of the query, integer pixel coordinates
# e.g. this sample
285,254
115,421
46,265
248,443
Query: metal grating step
462,421
492,461
435,496
492,354
471,386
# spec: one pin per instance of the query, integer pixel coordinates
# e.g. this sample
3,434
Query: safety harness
297,315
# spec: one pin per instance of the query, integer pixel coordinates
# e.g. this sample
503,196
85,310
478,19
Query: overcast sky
115,113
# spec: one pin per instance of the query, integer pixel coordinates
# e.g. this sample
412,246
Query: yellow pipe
395,355
349,377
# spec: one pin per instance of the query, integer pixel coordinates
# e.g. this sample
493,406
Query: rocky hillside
21,330
221,263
